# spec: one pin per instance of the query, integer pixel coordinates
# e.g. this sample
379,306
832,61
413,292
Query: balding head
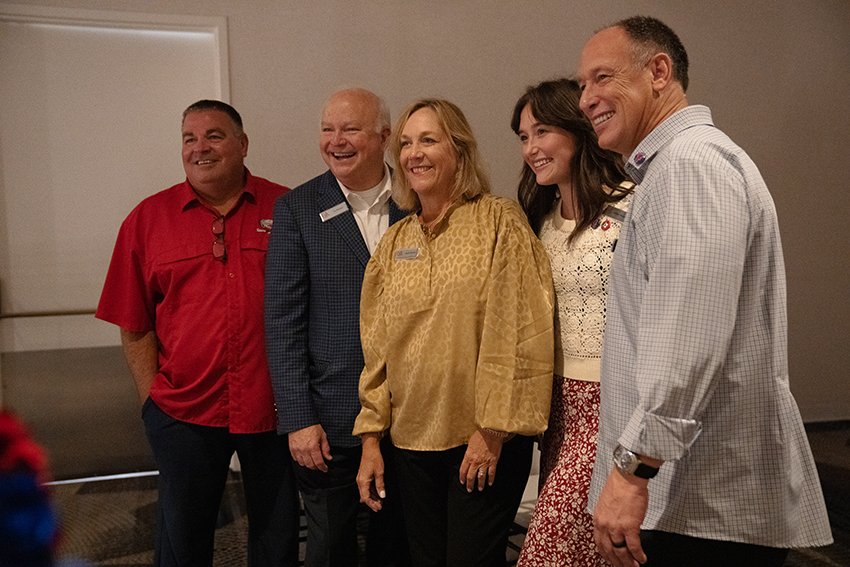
355,128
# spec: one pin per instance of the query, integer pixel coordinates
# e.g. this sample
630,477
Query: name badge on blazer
334,211
407,254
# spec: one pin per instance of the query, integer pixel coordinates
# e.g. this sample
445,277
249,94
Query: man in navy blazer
325,232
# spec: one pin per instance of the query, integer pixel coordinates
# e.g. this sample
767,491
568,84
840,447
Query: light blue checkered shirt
694,365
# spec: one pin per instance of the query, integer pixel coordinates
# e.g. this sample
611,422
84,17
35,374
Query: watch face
625,460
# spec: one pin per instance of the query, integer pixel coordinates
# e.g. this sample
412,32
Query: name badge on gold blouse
407,254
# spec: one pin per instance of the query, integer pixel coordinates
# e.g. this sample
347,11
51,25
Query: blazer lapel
396,214
343,223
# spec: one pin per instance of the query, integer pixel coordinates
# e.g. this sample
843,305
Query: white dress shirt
371,209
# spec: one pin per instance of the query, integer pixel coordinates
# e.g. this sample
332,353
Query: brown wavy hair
556,103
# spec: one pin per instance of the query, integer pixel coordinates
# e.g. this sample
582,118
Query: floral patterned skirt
561,531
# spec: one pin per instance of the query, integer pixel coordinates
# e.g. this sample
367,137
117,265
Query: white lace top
580,272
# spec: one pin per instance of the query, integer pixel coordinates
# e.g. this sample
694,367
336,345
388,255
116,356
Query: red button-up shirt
208,315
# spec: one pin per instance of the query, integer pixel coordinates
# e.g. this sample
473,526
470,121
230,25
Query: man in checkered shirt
702,455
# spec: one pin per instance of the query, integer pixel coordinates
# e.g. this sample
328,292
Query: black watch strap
645,471
629,463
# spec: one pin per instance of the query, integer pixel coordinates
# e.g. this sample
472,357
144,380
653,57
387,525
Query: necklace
428,228
427,231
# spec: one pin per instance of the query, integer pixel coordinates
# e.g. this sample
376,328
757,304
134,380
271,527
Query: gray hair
382,109
649,36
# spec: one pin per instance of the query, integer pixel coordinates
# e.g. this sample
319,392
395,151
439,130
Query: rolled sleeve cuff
369,422
665,438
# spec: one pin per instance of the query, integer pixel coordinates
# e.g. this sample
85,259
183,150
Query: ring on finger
481,473
618,544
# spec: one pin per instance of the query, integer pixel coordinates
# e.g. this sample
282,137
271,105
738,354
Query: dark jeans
331,505
193,463
450,527
665,549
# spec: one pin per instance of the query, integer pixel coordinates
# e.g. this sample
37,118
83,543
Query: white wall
775,72
71,137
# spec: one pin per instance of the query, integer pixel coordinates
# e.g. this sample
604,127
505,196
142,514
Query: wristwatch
628,463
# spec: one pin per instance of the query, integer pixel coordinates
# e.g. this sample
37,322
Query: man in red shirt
185,286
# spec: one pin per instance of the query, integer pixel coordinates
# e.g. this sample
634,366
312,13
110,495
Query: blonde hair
470,178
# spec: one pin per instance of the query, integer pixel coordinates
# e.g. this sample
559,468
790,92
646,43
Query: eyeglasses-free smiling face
548,150
213,152
427,156
616,96
351,142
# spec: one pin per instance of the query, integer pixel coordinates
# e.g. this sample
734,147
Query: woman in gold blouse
457,332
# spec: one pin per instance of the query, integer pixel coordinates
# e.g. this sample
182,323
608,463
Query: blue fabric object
28,525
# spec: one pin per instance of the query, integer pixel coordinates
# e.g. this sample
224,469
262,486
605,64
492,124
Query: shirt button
232,275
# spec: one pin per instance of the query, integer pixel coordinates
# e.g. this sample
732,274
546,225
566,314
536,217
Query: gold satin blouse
457,329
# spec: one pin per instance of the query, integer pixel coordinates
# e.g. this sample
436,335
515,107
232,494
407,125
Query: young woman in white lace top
575,196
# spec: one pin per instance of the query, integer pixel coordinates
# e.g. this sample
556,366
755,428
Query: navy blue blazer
314,272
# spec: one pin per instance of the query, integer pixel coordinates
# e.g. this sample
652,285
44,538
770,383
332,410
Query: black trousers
193,463
331,504
665,549
450,527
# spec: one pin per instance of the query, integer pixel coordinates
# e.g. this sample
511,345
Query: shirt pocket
253,250
173,271
258,241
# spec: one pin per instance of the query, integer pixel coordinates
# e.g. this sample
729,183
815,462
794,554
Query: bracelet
496,432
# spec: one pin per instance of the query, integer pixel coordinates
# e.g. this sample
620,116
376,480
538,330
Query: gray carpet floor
111,522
